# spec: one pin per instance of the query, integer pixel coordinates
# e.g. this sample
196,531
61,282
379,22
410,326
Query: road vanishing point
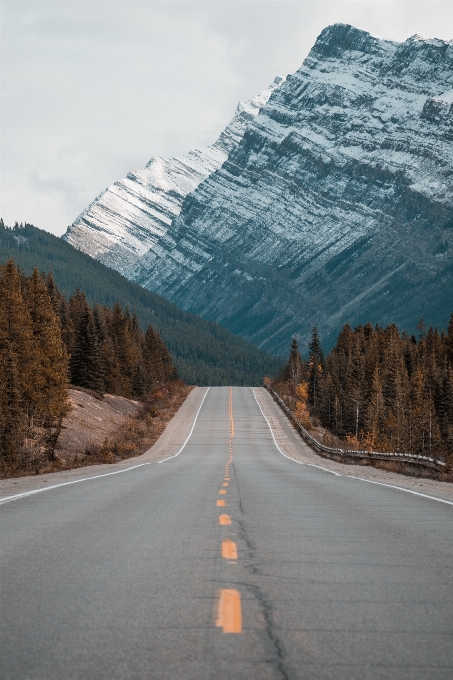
217,556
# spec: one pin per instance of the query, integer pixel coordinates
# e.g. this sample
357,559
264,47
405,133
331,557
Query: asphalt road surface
227,561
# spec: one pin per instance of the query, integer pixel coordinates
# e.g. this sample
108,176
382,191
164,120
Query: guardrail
427,461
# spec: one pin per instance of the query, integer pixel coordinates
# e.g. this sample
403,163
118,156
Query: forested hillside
47,342
204,352
378,389
107,349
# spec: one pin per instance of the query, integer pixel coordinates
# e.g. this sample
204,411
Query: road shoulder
171,439
293,446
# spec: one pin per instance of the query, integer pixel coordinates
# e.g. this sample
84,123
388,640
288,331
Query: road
293,572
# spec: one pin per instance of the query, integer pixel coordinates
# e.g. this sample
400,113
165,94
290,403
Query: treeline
378,389
204,352
48,342
108,350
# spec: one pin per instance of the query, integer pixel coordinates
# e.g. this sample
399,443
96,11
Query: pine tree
446,410
13,421
16,331
315,367
396,389
37,327
375,410
152,358
51,378
54,294
449,341
123,349
16,344
294,369
86,361
354,388
109,362
137,372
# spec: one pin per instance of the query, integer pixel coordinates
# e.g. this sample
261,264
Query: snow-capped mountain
129,218
335,206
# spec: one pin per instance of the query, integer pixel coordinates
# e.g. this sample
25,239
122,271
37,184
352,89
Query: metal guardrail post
379,455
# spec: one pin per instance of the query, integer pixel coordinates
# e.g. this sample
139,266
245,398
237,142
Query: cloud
91,90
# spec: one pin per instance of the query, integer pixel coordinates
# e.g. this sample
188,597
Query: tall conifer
51,377
86,361
316,361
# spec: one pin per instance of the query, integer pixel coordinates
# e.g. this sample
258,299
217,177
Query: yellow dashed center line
229,549
231,413
229,615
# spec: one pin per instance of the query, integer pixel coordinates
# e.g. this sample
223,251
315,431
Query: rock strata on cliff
131,216
335,206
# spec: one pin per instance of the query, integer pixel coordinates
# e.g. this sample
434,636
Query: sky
91,89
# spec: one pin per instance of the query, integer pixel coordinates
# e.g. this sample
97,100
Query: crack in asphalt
266,608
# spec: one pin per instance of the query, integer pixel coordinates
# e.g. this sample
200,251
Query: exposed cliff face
130,217
335,206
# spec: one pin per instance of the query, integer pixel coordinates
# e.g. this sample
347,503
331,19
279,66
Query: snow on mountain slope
335,206
129,218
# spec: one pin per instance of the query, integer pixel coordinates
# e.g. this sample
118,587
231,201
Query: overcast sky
91,89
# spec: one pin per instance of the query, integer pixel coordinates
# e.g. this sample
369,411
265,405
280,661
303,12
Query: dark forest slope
204,352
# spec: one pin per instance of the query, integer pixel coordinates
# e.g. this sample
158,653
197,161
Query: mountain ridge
131,216
334,207
338,195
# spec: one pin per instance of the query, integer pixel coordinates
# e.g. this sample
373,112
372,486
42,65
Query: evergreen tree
354,386
449,341
50,403
293,372
375,411
18,366
13,421
396,389
86,361
16,337
109,361
315,367
123,348
391,391
37,328
446,410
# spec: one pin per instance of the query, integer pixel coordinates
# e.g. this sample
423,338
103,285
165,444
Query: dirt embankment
107,429
90,421
110,429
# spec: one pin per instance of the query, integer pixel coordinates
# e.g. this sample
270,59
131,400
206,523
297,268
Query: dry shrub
302,392
352,442
302,415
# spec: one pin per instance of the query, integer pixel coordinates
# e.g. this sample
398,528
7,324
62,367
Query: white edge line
391,486
7,499
401,488
337,474
190,433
